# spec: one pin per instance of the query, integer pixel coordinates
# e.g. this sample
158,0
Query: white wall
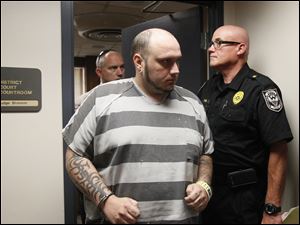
31,143
273,27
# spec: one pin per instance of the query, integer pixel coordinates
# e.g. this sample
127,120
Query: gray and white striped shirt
143,150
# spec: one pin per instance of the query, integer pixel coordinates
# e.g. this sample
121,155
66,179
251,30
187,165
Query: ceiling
97,24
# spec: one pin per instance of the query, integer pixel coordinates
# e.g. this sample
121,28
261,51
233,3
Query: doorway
214,17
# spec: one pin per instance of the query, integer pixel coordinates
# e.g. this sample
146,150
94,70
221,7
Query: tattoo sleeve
205,169
85,176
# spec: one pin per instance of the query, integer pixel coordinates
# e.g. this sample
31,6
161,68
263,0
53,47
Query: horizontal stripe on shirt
165,210
147,153
157,191
121,103
157,119
145,172
146,135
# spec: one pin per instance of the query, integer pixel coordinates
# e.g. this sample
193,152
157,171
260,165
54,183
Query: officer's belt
234,177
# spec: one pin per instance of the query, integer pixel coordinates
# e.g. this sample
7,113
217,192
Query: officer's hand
196,197
121,210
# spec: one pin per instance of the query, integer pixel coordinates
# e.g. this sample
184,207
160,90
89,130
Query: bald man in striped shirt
152,142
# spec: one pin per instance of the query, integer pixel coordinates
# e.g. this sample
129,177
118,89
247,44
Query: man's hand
197,197
121,210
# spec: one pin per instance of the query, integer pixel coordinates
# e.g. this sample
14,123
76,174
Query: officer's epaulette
262,79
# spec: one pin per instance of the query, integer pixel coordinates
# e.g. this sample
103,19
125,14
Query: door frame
67,51
215,19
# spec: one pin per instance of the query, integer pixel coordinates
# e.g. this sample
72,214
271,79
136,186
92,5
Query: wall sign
20,89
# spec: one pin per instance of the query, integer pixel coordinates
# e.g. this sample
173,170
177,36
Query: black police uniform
246,117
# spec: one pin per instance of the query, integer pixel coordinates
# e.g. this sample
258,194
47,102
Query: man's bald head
233,33
153,36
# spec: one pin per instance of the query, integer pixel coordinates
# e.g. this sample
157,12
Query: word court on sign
20,89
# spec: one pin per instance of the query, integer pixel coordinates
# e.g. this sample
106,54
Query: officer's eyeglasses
102,53
218,43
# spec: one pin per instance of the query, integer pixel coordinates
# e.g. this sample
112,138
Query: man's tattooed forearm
89,182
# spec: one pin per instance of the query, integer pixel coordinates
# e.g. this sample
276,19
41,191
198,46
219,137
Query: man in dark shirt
250,129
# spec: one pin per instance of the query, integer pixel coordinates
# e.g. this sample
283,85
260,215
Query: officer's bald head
234,33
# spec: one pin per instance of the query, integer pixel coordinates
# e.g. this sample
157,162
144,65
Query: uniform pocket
234,114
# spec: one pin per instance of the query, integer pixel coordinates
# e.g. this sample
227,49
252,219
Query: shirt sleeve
273,123
81,128
208,142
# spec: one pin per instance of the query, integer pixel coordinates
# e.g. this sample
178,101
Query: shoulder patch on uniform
272,100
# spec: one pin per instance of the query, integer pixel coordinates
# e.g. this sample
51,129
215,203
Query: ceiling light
108,35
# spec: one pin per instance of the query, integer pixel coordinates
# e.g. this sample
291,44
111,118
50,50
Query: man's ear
98,72
242,49
138,61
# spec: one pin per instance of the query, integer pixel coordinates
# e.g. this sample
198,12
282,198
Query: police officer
250,129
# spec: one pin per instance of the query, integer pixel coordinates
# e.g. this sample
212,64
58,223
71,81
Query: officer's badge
238,97
273,100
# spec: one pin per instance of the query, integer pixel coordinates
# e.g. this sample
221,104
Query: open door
187,28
